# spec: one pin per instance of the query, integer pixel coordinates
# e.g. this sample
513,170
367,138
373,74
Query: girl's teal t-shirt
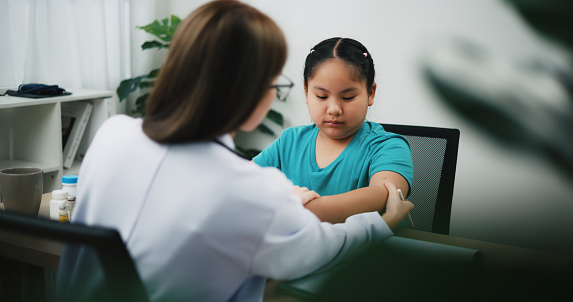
371,150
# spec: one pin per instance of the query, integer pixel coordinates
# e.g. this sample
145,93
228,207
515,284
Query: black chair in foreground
435,155
101,268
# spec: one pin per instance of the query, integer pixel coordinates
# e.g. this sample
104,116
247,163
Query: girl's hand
396,209
304,194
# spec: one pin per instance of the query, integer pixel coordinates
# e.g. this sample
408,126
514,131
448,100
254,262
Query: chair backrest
103,270
435,155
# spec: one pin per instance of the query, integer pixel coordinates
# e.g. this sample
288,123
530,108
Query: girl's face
261,110
337,104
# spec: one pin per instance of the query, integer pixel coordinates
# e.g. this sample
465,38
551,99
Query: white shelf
78,94
31,131
74,169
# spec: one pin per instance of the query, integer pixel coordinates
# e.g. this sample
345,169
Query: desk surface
31,250
46,253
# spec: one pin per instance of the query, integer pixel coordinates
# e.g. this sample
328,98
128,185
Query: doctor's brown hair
220,64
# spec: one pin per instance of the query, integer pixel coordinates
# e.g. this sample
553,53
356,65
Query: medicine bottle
63,214
69,183
59,198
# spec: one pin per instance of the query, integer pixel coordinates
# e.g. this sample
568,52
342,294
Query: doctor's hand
396,209
304,194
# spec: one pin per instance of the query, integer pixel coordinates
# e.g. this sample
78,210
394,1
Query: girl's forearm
336,208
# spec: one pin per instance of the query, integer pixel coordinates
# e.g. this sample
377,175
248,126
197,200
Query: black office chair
435,155
95,264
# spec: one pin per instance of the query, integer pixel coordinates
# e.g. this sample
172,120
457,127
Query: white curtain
71,43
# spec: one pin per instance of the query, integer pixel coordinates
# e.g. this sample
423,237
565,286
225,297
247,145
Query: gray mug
21,189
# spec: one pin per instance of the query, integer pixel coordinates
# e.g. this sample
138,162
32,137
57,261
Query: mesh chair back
434,155
95,264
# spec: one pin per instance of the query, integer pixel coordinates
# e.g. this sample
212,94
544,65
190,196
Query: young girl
201,223
342,157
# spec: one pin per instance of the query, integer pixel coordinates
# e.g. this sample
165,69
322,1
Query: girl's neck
328,149
333,142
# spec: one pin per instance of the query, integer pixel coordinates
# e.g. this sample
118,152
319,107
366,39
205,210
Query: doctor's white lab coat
203,224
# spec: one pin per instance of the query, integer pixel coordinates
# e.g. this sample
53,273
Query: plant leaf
276,117
248,153
265,129
164,30
174,24
153,44
146,84
140,104
157,29
153,73
128,86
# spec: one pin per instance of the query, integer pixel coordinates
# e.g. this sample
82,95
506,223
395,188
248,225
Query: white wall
501,194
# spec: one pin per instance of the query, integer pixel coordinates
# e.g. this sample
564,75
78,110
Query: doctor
201,223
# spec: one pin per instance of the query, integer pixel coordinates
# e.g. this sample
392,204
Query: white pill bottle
69,183
59,198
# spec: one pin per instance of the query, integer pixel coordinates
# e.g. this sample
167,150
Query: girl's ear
371,95
305,93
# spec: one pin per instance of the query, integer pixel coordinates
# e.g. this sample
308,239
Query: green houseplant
163,30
